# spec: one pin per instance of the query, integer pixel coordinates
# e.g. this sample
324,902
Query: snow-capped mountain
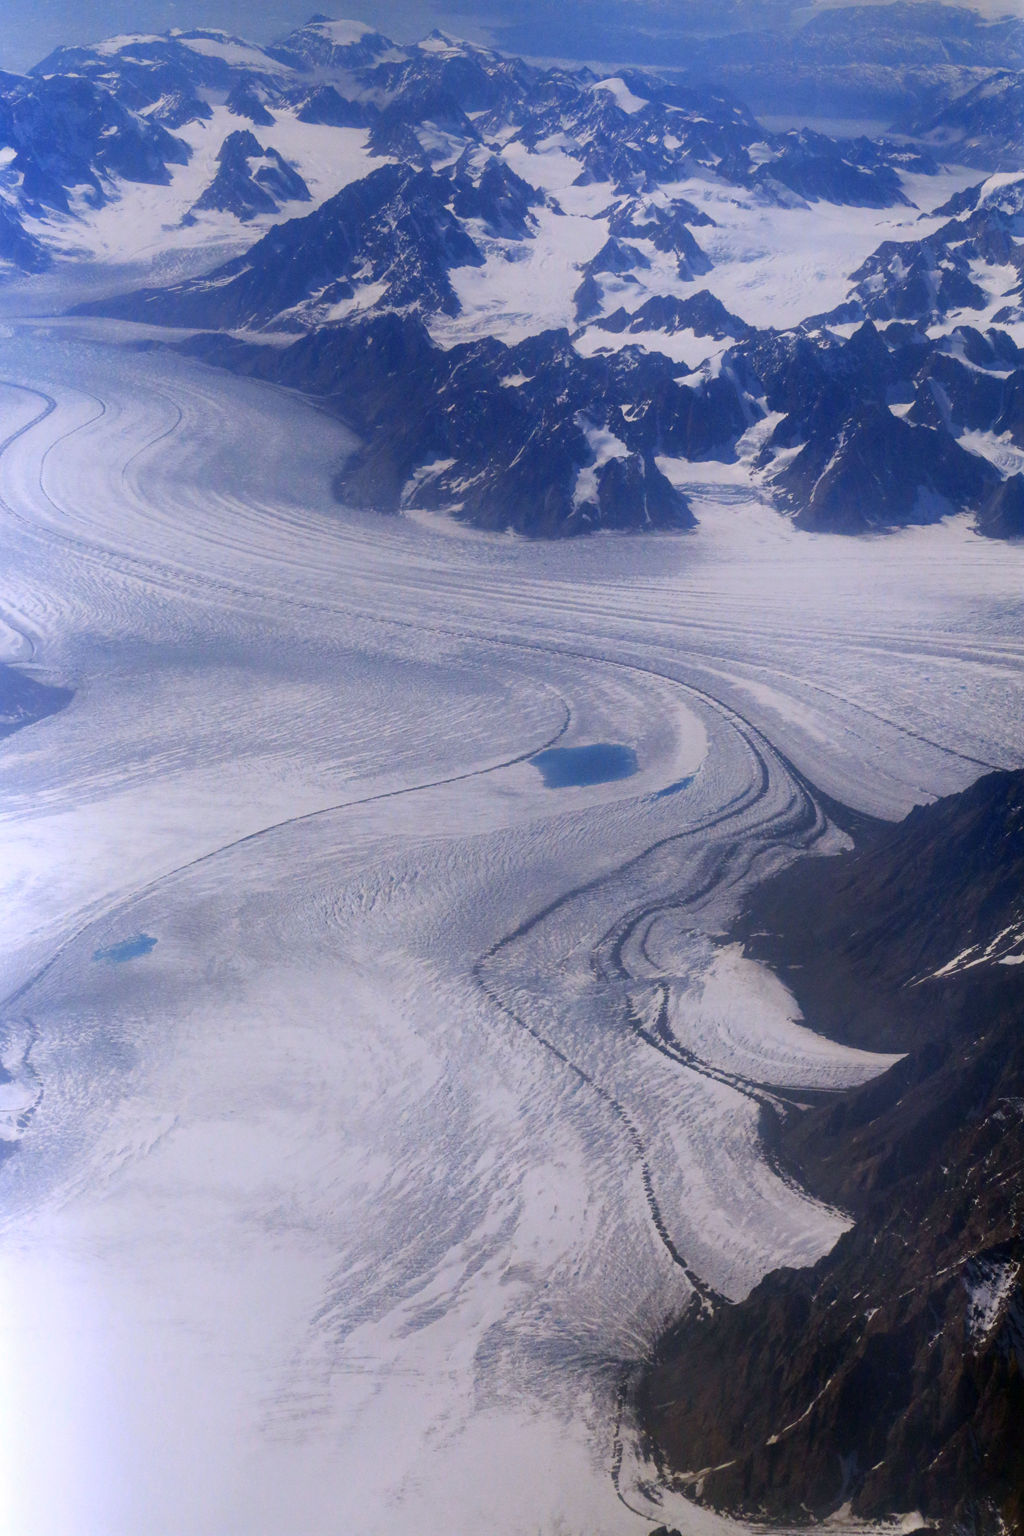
637,234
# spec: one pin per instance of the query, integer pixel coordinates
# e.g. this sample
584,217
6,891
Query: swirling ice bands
385,1153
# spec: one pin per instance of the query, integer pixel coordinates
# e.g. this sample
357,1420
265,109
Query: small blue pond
128,949
600,763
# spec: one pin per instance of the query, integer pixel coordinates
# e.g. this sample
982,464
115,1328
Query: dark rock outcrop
701,313
17,246
325,104
250,180
1002,513
891,1374
813,166
24,700
667,228
249,99
323,44
485,188
980,126
876,470
68,132
501,437
393,228
915,280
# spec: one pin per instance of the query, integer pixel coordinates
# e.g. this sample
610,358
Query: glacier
352,1203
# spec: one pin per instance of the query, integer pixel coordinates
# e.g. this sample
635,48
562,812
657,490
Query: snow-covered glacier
368,1104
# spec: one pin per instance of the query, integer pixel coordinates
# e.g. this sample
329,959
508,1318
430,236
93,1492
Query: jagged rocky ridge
980,126
250,180
86,117
63,138
890,1376
531,437
870,423
501,435
400,229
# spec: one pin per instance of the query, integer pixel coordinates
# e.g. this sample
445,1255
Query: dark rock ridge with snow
891,1374
394,228
701,313
499,435
250,180
980,126
861,461
531,438
65,132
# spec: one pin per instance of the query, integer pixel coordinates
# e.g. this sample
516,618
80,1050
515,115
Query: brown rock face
890,1375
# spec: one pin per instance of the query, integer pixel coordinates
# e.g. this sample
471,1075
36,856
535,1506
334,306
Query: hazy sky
31,28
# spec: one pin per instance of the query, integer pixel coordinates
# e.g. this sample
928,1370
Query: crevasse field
376,1103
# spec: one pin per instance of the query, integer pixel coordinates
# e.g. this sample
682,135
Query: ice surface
352,1204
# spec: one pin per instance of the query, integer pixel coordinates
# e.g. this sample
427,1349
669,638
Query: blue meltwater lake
599,763
128,949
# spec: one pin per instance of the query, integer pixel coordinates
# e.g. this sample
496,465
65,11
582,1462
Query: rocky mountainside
980,126
890,1376
246,189
461,428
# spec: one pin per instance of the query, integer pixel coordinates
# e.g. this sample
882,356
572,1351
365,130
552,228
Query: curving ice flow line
606,1092
146,567
129,899
809,821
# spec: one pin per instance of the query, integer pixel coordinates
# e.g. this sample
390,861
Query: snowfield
373,1105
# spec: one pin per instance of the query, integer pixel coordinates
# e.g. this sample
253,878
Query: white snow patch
233,51
624,97
982,954
524,286
604,445
682,346
344,33
420,477
998,448
111,45
144,222
989,1284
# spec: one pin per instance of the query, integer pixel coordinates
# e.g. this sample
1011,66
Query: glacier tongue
353,1198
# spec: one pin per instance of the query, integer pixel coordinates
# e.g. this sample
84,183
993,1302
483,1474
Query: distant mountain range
525,288
858,61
